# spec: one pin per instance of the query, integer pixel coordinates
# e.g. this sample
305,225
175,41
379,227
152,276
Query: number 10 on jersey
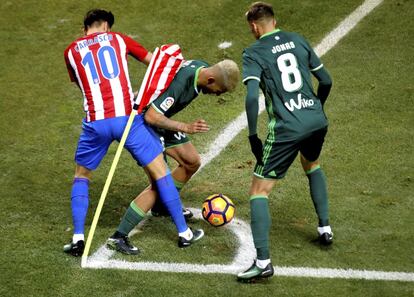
107,63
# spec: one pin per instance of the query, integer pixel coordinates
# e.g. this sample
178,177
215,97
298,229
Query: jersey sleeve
314,61
166,100
69,66
134,48
162,103
252,105
251,69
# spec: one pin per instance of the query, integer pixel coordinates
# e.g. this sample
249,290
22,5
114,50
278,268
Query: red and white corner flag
165,63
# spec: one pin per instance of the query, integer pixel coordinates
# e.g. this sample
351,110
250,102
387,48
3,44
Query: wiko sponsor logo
299,104
179,135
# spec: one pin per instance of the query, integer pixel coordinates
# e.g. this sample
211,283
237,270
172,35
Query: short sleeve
69,66
251,69
163,103
166,102
314,61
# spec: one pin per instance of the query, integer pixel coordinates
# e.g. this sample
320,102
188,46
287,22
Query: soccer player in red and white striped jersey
97,62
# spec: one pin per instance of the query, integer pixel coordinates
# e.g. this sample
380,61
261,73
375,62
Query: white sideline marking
330,40
246,252
344,273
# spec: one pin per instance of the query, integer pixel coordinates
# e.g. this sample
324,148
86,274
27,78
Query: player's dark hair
258,11
98,15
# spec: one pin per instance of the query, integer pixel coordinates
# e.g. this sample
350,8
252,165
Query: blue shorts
96,137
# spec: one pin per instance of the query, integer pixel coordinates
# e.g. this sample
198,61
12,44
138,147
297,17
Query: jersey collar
196,79
269,33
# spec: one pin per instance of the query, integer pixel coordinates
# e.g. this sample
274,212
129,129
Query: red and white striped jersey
166,61
98,63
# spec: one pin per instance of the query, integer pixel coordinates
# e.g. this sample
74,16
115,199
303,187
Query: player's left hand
256,146
197,126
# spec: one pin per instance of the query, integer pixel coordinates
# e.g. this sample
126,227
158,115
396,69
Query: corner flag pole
115,162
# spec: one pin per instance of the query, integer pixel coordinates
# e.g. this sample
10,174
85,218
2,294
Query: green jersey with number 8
282,62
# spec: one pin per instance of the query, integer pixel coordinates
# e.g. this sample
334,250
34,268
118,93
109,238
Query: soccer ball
218,210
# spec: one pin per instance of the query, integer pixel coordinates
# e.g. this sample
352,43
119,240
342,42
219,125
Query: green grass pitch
368,157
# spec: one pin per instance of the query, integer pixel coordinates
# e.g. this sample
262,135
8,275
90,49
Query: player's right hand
256,146
197,126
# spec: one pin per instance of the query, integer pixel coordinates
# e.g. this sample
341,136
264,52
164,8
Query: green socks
319,194
260,215
260,224
132,217
179,185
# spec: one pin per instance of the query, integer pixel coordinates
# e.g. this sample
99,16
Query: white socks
187,234
324,229
78,237
262,263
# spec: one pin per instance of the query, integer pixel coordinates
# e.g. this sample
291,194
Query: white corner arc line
327,43
243,258
102,257
245,254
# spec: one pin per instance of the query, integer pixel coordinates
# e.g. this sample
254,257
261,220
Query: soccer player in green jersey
193,78
280,64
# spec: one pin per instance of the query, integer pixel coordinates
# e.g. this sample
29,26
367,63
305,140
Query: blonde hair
228,73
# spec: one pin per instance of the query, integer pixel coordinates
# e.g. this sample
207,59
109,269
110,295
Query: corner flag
167,62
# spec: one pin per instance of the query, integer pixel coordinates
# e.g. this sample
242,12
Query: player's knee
261,187
82,172
157,168
308,165
193,164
